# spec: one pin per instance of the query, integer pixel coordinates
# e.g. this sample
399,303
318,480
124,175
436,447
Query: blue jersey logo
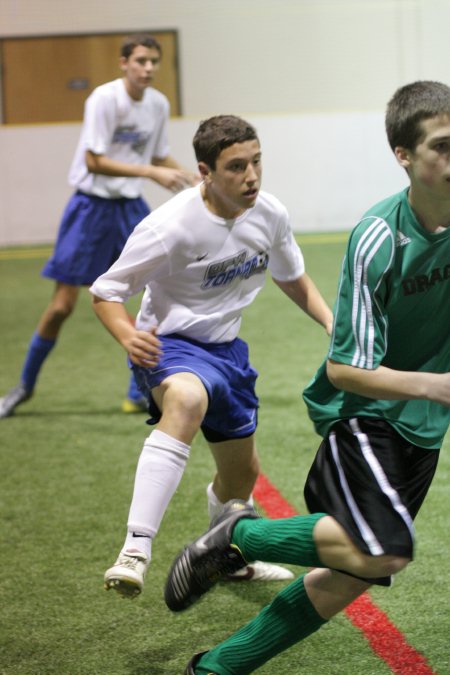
239,266
129,135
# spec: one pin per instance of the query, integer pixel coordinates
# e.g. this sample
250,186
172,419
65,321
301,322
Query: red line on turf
384,638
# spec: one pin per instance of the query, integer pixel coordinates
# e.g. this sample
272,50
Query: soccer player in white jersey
381,402
202,258
123,141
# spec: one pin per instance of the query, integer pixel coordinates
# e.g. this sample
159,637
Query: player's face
428,164
233,186
139,69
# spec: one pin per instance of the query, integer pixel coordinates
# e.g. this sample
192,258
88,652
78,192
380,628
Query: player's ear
403,156
203,169
123,61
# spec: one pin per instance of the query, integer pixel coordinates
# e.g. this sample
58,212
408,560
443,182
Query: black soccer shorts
373,482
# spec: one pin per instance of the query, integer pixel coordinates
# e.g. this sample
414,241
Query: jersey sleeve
144,258
98,122
360,321
286,261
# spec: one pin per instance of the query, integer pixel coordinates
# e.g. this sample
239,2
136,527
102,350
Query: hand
144,348
194,179
172,179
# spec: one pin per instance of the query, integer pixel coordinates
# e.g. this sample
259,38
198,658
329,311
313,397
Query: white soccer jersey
123,129
199,270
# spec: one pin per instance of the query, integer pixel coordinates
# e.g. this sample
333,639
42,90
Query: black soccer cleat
208,559
190,668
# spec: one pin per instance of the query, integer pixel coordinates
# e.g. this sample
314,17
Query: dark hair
219,132
139,39
409,106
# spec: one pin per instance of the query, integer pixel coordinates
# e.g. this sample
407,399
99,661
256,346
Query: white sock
140,542
158,474
214,505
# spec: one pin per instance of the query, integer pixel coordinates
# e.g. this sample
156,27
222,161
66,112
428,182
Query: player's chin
249,198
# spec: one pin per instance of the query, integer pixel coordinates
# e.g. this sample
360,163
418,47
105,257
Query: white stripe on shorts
381,478
366,531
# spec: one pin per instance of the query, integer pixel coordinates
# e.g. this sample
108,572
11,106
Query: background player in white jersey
381,401
202,258
123,141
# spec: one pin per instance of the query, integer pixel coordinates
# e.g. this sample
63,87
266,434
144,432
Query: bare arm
306,295
190,177
166,172
142,347
393,385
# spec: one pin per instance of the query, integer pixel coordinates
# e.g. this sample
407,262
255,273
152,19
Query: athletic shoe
127,574
208,559
136,406
190,668
13,398
261,571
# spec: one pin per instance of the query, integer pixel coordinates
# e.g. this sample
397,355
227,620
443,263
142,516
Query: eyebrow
443,137
239,158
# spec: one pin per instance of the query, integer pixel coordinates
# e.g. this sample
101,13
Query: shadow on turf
153,661
258,592
145,663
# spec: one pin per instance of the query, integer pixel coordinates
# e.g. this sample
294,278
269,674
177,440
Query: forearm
143,347
165,172
389,384
103,165
114,317
170,163
307,296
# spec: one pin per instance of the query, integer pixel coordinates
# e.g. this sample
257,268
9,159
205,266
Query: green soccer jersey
392,309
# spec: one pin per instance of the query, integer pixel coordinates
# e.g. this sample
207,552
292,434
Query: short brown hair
139,39
219,132
409,106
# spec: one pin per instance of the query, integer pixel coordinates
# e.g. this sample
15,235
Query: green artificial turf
67,465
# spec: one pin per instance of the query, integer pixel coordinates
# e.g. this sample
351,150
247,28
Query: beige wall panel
48,79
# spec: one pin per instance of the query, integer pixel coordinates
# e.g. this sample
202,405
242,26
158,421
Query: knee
386,565
336,550
188,400
372,567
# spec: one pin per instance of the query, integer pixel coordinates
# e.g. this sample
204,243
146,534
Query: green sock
289,618
284,540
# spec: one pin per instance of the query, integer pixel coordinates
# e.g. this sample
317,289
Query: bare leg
58,310
331,591
237,468
336,550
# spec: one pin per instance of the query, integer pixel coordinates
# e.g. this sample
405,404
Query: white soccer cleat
261,571
8,403
127,574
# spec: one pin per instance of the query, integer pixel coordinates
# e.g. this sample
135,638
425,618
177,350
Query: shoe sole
123,587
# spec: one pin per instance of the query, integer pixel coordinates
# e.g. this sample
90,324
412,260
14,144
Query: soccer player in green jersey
381,402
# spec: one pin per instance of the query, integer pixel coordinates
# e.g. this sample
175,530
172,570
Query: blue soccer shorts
91,236
227,375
